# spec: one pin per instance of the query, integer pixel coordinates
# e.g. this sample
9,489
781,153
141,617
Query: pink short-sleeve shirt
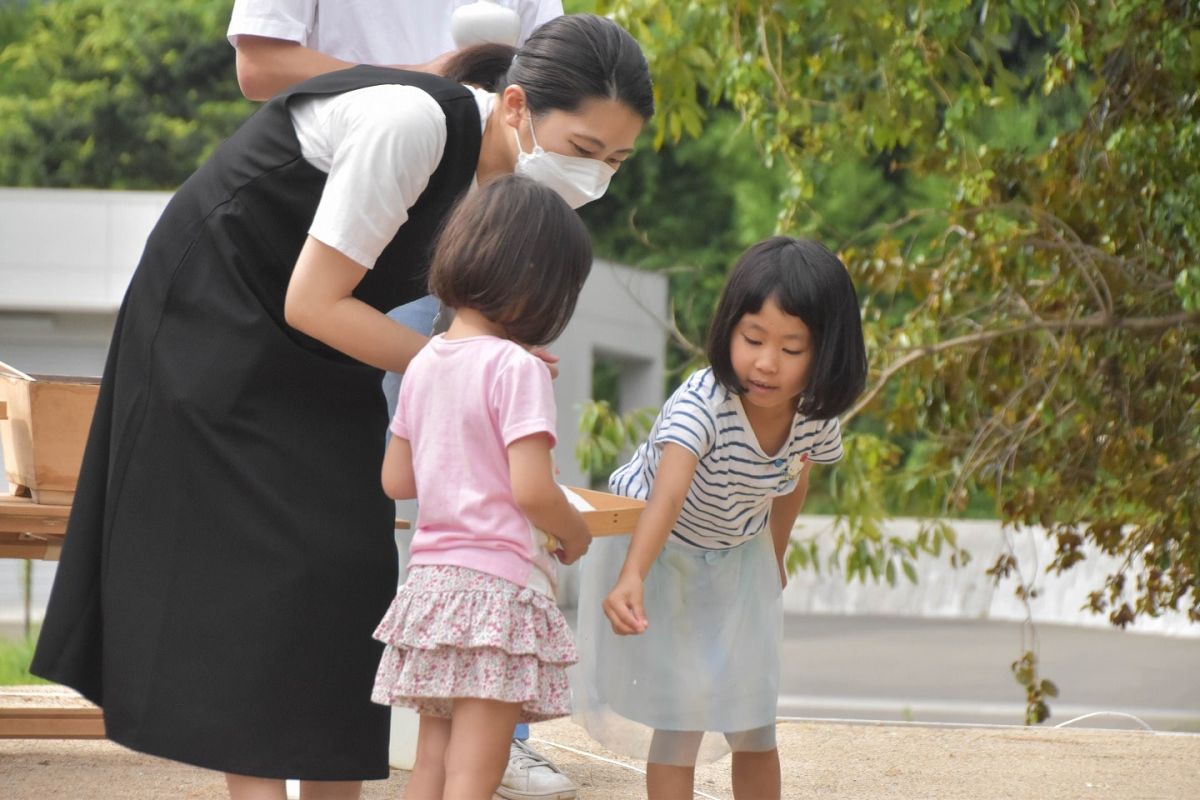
461,404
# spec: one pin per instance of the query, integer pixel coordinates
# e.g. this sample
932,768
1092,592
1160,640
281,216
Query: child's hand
571,552
572,545
623,607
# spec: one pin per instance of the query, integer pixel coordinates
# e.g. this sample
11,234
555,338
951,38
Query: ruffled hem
453,632
429,680
454,607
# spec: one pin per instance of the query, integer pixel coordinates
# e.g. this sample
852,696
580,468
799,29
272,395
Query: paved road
927,670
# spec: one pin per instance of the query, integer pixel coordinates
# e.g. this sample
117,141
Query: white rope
1121,714
614,762
985,725
888,723
589,755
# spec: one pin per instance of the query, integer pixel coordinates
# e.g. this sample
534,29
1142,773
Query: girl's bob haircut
518,254
809,282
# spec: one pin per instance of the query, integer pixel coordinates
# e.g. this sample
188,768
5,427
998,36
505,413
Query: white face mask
578,180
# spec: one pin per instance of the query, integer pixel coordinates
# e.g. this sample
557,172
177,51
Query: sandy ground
826,760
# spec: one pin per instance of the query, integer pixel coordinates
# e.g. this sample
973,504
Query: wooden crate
612,514
44,429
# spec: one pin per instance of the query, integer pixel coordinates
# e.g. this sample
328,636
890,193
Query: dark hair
483,65
565,62
518,254
809,282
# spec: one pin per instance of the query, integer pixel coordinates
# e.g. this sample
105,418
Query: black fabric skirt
230,549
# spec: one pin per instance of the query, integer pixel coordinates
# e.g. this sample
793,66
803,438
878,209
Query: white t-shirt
729,500
384,32
379,146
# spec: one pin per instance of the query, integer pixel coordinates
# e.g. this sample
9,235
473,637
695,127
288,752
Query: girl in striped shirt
680,661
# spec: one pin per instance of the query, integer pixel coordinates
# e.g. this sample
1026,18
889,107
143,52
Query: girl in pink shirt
474,640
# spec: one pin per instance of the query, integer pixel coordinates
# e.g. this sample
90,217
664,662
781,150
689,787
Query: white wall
71,250
966,593
620,317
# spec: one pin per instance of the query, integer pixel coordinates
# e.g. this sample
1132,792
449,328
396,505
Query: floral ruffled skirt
455,632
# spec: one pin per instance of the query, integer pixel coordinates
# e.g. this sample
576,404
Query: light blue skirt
708,661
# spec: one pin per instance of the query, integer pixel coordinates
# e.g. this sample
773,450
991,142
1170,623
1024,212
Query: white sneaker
530,776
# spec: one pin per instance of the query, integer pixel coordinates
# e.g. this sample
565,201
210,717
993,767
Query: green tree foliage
1033,319
124,94
13,17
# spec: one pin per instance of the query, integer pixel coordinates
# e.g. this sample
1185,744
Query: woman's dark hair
568,60
809,282
518,254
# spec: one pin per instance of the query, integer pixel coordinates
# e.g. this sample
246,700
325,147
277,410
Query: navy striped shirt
735,482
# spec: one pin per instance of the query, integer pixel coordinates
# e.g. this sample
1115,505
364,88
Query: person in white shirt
282,42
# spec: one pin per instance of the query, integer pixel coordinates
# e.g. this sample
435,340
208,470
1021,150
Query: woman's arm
784,510
623,606
531,473
320,303
398,480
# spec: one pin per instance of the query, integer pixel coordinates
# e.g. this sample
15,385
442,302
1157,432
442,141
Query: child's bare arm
399,482
623,606
784,510
531,472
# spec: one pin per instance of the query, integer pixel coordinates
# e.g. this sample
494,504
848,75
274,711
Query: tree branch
670,326
780,89
1091,322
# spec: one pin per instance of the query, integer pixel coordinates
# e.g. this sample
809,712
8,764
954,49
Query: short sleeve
826,448
290,20
689,422
523,399
385,142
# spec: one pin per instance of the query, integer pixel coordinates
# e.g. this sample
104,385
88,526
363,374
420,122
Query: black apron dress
230,549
